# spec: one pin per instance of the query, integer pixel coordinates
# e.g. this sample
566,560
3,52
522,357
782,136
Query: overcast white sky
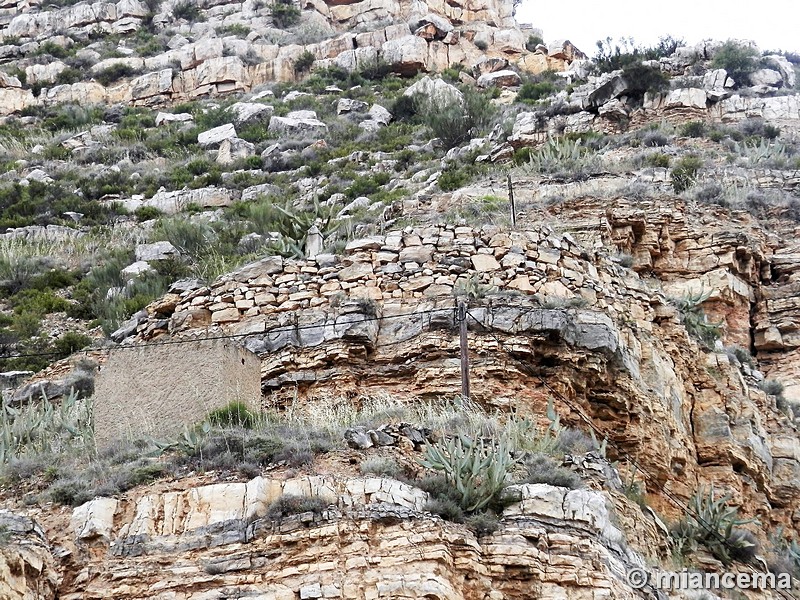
773,24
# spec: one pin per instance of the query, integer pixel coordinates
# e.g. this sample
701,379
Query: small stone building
154,390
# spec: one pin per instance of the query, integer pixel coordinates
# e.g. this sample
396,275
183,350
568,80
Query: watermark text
639,578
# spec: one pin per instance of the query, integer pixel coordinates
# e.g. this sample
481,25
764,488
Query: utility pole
462,329
511,200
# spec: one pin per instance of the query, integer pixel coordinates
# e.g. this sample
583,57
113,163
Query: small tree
285,14
737,59
455,122
304,62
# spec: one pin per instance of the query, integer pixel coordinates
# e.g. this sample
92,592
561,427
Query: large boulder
247,113
687,98
297,122
214,137
766,77
234,149
156,251
407,55
783,66
435,91
506,78
607,87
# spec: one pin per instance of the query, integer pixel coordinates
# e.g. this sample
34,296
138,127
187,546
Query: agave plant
561,156
695,320
527,436
765,152
44,427
711,522
475,467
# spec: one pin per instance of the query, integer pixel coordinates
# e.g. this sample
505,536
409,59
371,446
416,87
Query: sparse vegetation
684,173
693,317
288,505
543,469
715,525
186,10
385,467
285,13
612,55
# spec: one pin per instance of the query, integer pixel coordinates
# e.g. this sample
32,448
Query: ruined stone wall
156,390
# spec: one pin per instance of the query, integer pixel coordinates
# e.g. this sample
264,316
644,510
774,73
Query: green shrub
54,279
715,525
694,129
71,342
186,10
285,14
533,41
52,49
543,469
739,60
532,92
684,173
289,504
235,414
453,178
644,78
37,302
147,213
658,160
236,29
114,73
68,76
374,69
445,508
404,108
454,123
367,184
304,62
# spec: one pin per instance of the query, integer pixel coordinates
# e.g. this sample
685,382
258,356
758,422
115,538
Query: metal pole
511,200
462,329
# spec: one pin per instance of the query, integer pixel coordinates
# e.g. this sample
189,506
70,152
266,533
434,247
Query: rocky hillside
323,184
